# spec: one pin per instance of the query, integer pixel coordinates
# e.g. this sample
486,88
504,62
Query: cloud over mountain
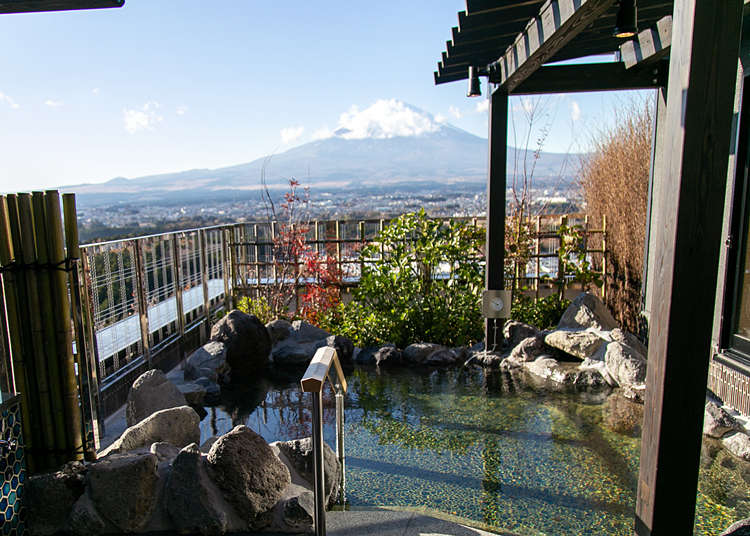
385,118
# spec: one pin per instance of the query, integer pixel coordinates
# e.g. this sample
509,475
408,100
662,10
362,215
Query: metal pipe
319,475
340,453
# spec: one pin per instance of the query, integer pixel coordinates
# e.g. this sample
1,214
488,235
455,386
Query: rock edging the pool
156,478
587,350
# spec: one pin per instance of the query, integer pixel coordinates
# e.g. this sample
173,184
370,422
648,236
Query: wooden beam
649,45
558,22
591,77
702,80
29,6
481,6
496,183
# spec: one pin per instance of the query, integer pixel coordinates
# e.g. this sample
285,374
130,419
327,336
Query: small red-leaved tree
297,265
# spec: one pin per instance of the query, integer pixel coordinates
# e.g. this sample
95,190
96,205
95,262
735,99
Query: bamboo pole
83,349
46,315
63,327
16,232
15,338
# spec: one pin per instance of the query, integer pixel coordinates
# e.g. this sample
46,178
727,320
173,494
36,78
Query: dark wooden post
702,73
496,171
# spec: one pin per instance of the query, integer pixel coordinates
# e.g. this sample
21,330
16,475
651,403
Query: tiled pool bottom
478,447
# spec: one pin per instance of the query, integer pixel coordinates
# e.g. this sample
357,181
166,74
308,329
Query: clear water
480,447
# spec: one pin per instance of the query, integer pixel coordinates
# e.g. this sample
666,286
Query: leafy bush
543,313
421,281
256,306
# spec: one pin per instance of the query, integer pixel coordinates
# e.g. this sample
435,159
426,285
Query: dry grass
614,179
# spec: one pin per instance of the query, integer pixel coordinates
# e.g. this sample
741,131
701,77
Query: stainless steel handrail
312,382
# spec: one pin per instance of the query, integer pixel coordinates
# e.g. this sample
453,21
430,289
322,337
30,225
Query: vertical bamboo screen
38,330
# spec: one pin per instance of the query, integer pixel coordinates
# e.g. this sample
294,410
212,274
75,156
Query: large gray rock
530,349
279,329
580,344
209,361
514,332
84,520
123,488
738,444
249,474
387,356
292,352
192,500
176,426
247,343
305,331
49,498
740,528
343,345
570,374
299,452
625,364
151,392
429,354
587,311
294,512
717,422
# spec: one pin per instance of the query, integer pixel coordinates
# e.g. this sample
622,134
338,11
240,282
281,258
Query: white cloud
575,111
144,118
455,112
440,118
53,103
181,110
483,105
7,99
95,91
527,104
386,118
291,134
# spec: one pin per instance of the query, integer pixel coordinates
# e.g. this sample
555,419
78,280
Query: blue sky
167,85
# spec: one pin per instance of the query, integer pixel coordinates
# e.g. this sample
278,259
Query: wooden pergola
32,6
689,50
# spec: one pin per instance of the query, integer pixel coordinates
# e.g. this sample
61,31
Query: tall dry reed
614,178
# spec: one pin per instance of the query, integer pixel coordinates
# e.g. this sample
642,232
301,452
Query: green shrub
404,295
543,313
256,306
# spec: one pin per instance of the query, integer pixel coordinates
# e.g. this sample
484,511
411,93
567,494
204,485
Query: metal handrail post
319,468
312,382
340,442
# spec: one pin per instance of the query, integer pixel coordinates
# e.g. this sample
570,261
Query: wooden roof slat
488,29
558,23
31,6
483,6
649,45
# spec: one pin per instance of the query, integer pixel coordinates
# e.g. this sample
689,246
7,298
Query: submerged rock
738,444
248,344
717,422
299,452
247,471
151,392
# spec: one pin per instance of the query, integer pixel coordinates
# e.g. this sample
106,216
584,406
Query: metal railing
312,382
149,300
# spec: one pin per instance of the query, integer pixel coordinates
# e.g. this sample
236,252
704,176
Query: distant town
112,221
